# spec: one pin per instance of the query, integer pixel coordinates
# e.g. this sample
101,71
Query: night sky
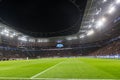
41,15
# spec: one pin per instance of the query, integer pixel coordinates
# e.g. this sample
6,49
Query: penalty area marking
45,70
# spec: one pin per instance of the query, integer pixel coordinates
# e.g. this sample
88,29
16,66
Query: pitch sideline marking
13,78
45,70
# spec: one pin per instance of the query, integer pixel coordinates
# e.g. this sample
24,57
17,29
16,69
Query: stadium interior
59,39
97,29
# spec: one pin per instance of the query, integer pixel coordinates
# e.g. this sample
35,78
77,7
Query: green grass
61,68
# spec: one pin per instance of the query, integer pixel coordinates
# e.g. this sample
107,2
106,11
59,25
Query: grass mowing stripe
46,70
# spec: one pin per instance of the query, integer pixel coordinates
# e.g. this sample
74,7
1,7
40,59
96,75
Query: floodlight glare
22,38
111,9
90,32
117,1
103,19
82,36
101,22
104,0
72,38
5,31
31,40
89,26
42,40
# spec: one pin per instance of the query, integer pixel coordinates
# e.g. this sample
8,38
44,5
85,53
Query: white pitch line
13,78
71,79
45,70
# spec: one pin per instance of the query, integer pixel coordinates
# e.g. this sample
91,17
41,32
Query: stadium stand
111,48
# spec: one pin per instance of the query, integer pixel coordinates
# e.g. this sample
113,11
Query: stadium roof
43,18
100,21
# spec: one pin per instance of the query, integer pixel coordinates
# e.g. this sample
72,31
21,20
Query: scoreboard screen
59,45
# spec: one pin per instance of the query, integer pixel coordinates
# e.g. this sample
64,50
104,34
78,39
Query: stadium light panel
111,9
91,32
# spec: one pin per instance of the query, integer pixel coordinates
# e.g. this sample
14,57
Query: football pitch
60,69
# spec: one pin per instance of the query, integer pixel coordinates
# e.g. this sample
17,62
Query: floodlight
117,1
82,36
89,26
103,19
111,9
31,40
90,32
22,38
42,40
104,0
5,31
39,40
101,22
